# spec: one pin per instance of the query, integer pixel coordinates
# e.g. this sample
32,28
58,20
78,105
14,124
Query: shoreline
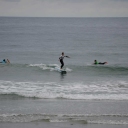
58,125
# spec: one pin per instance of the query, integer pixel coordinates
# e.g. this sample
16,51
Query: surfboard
60,70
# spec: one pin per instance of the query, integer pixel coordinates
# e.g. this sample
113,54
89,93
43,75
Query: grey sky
64,8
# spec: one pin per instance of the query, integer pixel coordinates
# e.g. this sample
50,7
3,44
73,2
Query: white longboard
60,70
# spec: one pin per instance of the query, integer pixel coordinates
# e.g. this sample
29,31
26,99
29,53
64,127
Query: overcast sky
64,8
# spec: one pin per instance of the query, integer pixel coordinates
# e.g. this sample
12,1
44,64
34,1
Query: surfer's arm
8,61
67,56
59,57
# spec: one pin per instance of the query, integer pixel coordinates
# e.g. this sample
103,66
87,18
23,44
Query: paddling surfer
5,61
96,62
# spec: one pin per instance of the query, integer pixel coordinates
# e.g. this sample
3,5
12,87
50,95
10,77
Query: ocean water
32,90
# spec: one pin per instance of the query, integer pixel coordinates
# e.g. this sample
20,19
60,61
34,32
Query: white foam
96,90
108,122
68,69
50,67
43,66
92,119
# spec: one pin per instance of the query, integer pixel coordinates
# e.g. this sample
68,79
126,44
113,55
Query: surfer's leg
62,63
102,63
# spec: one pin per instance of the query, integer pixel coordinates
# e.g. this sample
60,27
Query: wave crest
51,90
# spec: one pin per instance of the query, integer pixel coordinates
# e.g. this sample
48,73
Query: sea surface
31,90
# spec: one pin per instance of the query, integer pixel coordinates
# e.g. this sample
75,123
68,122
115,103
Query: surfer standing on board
61,59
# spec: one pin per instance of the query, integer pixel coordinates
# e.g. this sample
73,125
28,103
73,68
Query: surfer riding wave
61,59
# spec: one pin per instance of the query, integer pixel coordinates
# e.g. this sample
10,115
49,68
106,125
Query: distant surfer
61,59
96,62
5,61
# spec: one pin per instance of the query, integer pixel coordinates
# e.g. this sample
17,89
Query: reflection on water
62,76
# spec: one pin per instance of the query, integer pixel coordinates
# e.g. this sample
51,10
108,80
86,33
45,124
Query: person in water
61,59
5,61
8,61
102,63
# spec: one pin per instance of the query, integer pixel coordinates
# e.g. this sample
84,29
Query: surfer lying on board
102,63
5,61
61,59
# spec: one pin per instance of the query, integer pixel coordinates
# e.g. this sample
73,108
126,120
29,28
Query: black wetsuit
61,61
102,63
